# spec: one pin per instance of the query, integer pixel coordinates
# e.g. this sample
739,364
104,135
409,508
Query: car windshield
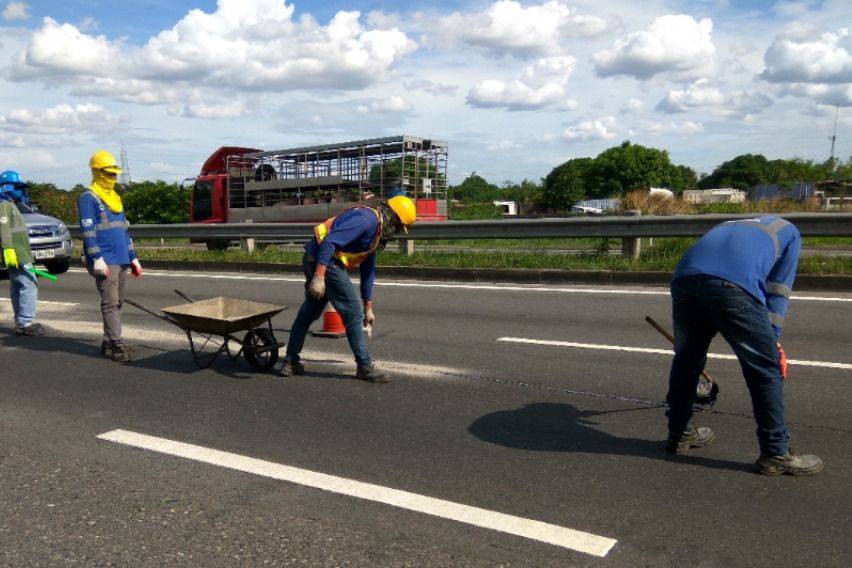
24,208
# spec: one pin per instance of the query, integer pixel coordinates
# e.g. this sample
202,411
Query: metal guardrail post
406,247
247,244
631,247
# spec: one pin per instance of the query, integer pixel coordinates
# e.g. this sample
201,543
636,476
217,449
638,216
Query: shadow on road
552,427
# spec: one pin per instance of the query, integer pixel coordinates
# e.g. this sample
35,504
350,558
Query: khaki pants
111,289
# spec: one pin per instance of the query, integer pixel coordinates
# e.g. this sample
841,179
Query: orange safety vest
351,259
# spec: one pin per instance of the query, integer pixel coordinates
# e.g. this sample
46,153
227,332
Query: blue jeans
24,295
702,307
343,296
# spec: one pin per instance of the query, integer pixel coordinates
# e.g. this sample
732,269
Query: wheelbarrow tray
222,316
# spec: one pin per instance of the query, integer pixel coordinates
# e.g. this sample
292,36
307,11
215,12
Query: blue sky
515,87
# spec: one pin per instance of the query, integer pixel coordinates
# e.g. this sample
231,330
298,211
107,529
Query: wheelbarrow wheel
260,349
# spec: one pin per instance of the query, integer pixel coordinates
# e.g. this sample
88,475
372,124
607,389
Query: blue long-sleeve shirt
352,231
105,234
758,255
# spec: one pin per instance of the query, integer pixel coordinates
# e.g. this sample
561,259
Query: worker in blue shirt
108,251
736,280
349,240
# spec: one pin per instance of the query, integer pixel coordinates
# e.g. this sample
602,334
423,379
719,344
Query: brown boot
790,463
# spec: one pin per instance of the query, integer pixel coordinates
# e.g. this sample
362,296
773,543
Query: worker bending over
108,250
17,256
736,280
350,239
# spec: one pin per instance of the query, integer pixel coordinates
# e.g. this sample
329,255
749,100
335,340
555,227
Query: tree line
612,173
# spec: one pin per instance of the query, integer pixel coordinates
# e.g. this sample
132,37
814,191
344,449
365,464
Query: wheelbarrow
215,323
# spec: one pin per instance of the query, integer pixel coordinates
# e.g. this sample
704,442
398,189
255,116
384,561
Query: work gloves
100,268
782,361
369,318
10,258
135,268
316,288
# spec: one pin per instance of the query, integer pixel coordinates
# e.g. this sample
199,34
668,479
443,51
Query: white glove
369,318
135,268
316,289
100,268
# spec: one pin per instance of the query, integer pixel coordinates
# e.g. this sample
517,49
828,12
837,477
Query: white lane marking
527,528
442,285
550,343
47,303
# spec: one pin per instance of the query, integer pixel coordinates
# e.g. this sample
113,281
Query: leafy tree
741,172
630,166
526,194
156,202
475,189
55,202
565,185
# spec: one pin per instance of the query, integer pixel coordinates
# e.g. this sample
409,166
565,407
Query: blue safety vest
105,234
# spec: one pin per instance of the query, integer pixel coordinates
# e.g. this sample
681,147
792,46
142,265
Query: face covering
103,185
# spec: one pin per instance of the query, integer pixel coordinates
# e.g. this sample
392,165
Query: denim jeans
702,307
24,295
345,299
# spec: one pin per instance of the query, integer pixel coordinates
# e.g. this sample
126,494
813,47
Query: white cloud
244,45
703,96
676,44
61,119
686,127
631,106
840,95
232,109
508,27
541,85
431,87
802,55
16,11
601,129
382,106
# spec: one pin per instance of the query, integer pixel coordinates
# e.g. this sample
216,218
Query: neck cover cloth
103,185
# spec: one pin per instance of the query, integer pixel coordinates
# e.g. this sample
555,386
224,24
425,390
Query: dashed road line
527,528
552,343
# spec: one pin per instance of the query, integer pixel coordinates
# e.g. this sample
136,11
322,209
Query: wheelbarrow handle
185,297
153,313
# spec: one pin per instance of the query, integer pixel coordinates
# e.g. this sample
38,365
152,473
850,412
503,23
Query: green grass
663,257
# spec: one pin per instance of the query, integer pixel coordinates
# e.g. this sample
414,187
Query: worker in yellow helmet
350,239
108,250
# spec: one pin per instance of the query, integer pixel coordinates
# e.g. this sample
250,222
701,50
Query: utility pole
834,135
125,179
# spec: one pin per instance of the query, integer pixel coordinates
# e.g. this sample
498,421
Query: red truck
311,184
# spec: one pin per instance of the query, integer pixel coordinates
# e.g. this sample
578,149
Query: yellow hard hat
405,210
103,160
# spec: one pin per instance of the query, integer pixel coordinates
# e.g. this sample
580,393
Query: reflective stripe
90,234
93,249
19,229
351,259
104,226
131,247
778,289
775,319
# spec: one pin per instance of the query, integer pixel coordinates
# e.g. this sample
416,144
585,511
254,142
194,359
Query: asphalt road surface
518,431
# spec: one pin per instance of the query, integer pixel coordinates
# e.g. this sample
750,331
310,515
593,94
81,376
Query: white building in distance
720,195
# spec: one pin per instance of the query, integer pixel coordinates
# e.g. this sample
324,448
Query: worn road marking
48,303
449,285
669,352
527,528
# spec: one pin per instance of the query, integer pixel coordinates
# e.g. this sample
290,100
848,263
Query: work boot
120,353
290,368
371,374
692,437
30,330
106,349
790,463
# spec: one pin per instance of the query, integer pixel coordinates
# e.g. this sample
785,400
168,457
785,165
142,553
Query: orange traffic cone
332,324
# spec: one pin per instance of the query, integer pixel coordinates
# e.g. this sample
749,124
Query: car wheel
57,266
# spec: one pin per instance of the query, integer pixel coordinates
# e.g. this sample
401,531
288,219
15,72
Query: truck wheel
57,266
217,245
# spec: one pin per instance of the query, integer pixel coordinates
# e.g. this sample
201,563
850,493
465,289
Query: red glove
782,361
135,269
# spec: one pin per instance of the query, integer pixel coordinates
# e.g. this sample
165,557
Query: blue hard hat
11,177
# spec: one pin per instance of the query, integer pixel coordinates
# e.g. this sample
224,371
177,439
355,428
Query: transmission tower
834,135
125,179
